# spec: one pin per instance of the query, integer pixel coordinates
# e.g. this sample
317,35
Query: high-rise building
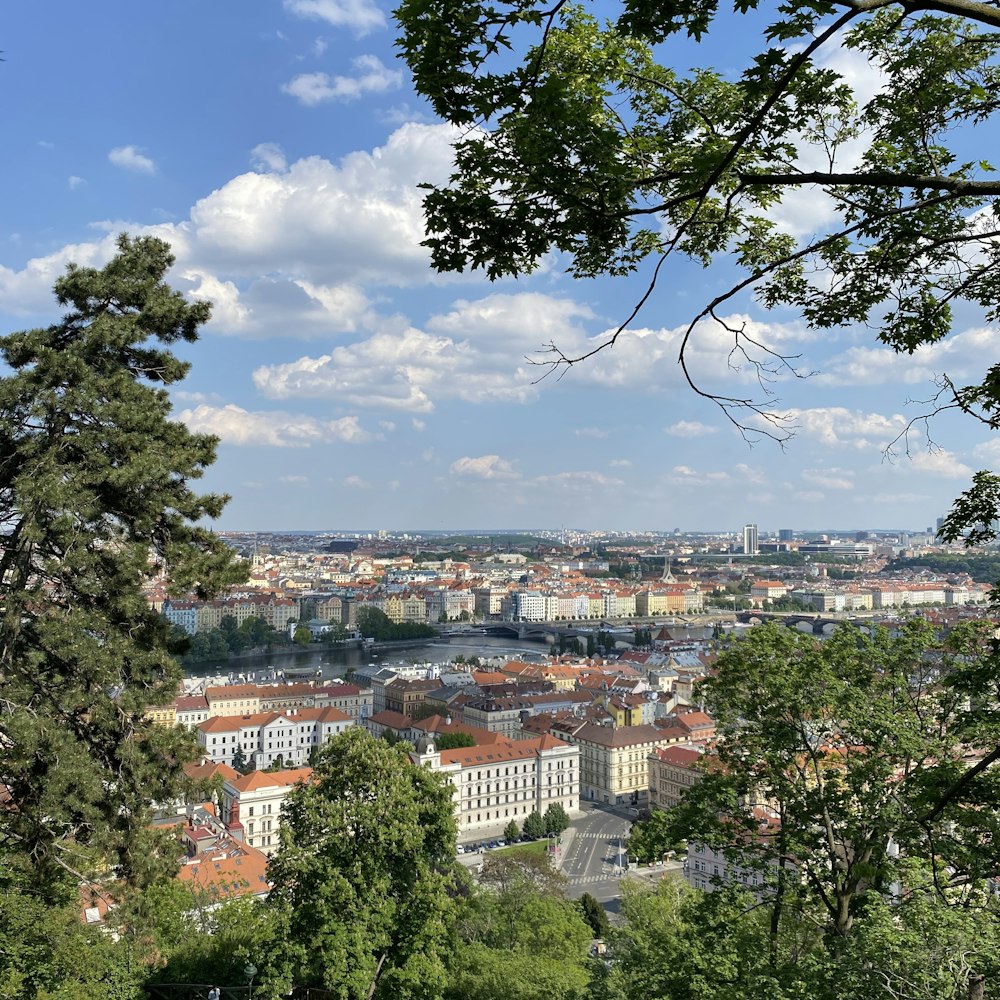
785,534
751,547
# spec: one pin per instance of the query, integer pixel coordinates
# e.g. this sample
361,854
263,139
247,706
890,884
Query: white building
251,805
751,545
266,736
527,606
506,780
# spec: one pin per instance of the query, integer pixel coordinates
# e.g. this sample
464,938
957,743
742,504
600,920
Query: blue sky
278,147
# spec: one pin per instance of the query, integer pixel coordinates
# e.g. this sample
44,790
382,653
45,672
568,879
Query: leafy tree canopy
362,873
452,741
94,500
582,136
556,819
832,752
534,825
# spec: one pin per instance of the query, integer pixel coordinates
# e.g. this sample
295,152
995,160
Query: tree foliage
595,915
453,741
581,136
519,938
534,825
651,838
94,500
836,755
362,873
556,819
376,624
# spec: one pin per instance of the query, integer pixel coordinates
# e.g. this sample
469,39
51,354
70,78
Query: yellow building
162,715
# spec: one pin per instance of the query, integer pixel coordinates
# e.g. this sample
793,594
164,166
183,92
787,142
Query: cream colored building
251,805
233,699
614,763
506,780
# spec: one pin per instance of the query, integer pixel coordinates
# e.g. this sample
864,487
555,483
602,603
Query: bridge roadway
821,623
589,626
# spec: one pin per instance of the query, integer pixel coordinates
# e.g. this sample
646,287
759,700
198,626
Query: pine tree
94,501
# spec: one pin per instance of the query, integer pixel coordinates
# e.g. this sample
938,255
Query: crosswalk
587,879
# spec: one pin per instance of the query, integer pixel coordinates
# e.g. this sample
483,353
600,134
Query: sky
278,146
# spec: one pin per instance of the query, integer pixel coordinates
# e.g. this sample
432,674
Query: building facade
507,780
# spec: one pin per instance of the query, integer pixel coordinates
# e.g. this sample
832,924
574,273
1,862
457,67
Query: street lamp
250,971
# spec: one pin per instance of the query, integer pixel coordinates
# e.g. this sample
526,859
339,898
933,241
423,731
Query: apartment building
614,763
251,805
507,780
408,696
672,770
263,737
190,709
348,698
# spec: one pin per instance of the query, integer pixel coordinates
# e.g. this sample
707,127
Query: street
590,849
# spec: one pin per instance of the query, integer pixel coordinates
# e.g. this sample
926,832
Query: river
333,663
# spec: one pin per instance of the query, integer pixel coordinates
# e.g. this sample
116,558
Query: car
460,849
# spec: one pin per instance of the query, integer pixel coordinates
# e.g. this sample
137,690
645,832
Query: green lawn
530,847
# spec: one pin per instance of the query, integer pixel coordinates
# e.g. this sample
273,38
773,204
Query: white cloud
937,463
684,475
620,463
751,473
591,432
294,480
357,483
646,359
184,396
418,425
387,425
278,306
830,479
575,481
809,496
30,289
484,467
268,156
130,158
690,428
236,426
355,221
839,427
404,368
362,16
988,451
371,76
74,182
523,320
960,355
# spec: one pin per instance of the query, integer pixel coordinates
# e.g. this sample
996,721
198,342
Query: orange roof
227,872
256,780
207,771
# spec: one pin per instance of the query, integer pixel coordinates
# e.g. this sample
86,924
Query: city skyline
348,382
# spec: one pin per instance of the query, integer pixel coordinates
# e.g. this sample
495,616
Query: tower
750,543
